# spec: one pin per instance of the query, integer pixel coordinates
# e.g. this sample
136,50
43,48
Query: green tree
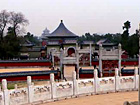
114,38
17,21
33,39
125,36
4,20
133,44
12,44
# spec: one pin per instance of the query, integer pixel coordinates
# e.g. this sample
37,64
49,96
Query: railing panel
42,92
85,86
18,96
64,89
127,83
1,98
106,84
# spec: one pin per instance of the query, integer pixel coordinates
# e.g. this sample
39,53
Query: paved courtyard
103,99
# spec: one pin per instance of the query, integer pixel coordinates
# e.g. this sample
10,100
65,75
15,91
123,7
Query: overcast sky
79,16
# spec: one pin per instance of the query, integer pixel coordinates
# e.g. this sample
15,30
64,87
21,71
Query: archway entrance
68,69
71,51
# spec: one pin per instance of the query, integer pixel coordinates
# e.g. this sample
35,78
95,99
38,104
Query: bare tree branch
4,20
17,20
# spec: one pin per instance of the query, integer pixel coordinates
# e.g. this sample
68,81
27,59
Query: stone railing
66,89
112,54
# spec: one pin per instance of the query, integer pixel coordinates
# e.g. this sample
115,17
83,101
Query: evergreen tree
133,44
125,36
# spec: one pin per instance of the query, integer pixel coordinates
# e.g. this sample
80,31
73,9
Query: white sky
79,16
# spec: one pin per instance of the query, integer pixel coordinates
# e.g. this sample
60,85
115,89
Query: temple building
29,50
61,38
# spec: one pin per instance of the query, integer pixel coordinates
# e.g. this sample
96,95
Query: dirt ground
102,99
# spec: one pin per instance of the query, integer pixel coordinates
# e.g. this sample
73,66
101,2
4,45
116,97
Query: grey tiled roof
105,42
62,31
101,41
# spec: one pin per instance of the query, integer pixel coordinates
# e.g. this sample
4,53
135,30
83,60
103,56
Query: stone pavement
102,99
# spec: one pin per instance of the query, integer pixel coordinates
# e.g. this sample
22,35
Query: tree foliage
125,36
133,44
129,42
17,21
13,22
10,43
10,46
33,39
114,38
4,20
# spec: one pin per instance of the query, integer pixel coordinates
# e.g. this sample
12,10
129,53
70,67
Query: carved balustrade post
74,83
117,83
96,81
30,89
136,78
53,86
5,92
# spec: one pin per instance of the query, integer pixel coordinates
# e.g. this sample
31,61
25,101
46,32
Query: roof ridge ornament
61,21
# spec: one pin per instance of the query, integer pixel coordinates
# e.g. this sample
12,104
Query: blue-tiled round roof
62,31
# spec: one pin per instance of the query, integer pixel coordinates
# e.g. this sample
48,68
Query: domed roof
62,31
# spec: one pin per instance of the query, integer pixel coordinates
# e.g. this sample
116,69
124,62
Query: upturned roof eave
62,31
76,36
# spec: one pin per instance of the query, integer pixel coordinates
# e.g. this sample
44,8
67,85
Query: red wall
126,63
12,64
86,75
24,78
129,63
